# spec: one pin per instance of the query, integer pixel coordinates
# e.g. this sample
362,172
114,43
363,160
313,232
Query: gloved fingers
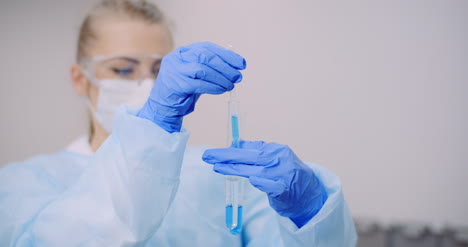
272,187
208,87
233,59
183,86
242,170
258,145
200,78
235,156
210,75
208,58
267,147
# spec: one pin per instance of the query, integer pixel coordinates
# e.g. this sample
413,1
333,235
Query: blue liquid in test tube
229,215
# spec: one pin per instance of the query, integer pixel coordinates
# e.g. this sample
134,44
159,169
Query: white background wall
376,91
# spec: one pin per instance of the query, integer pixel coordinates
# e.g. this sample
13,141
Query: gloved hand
293,189
185,74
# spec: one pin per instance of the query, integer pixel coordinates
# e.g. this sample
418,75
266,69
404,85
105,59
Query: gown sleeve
120,199
332,226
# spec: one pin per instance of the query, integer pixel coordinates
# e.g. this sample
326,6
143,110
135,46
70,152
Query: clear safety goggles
122,67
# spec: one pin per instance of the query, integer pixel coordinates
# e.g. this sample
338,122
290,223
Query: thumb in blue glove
293,189
185,74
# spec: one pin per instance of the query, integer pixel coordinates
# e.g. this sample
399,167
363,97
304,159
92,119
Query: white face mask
116,92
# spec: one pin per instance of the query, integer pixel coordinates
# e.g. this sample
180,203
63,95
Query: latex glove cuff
314,205
169,123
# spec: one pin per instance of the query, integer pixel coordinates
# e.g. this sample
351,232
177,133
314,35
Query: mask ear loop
86,66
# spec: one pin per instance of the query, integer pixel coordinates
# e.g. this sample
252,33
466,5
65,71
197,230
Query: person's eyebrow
129,59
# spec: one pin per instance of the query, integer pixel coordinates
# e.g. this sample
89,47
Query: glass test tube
234,184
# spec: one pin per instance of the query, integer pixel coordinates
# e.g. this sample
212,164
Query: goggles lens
135,68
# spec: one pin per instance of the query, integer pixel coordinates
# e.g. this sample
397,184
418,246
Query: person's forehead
116,36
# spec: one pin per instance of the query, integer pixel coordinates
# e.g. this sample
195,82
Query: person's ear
80,82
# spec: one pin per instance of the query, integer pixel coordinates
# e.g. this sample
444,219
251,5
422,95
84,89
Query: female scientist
132,182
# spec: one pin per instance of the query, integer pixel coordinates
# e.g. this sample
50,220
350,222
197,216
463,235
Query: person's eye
123,72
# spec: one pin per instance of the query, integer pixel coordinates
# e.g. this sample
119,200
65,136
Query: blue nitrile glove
185,74
293,189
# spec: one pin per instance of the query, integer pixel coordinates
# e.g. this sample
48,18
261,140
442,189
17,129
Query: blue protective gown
142,188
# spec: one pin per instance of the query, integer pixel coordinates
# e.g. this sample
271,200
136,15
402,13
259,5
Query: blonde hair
135,9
